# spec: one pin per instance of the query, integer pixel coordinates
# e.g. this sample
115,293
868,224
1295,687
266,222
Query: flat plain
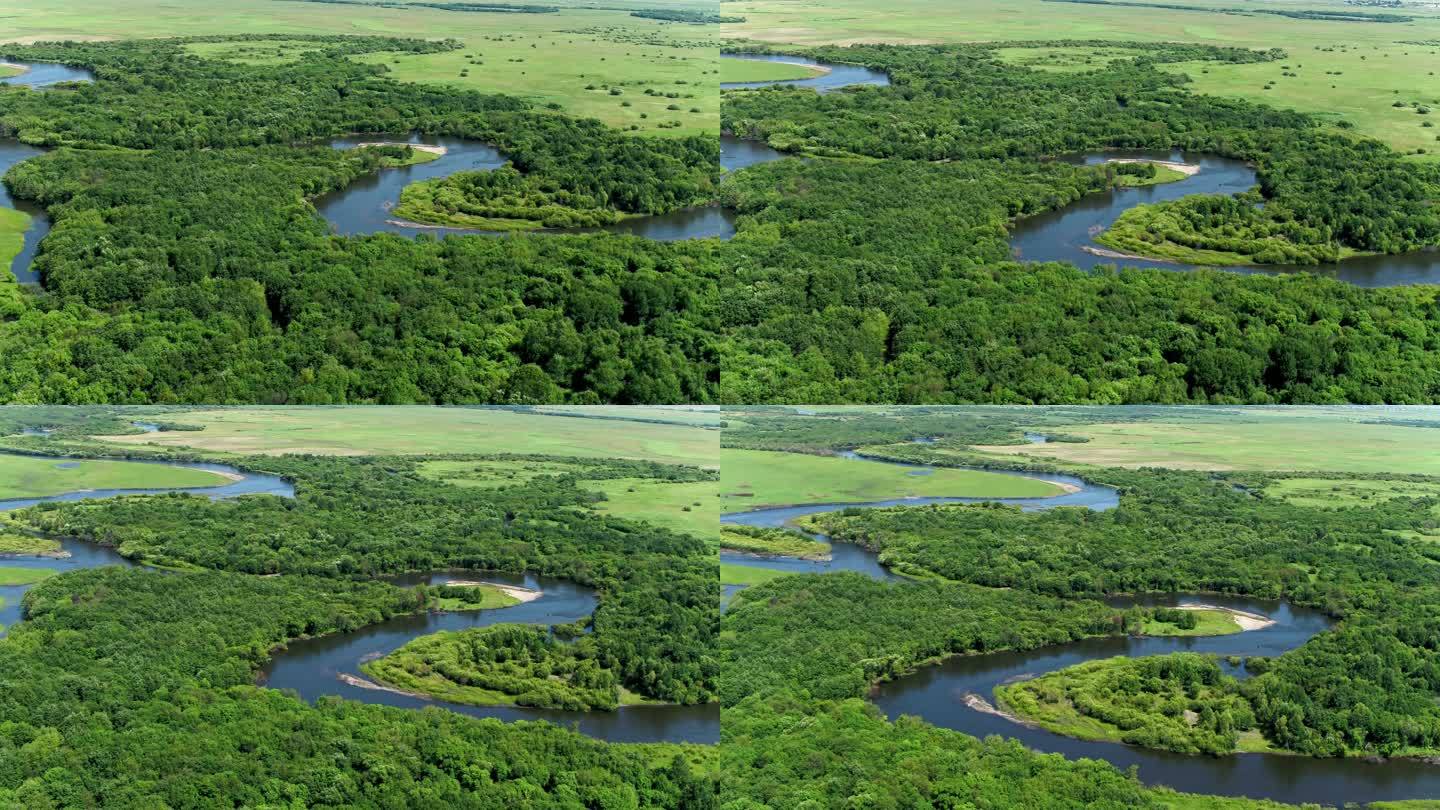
544,58
1341,70
753,478
424,431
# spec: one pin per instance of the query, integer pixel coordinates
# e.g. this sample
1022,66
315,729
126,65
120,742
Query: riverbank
516,592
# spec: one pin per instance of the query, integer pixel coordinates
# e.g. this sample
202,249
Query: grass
6,71
31,477
752,70
15,544
1329,439
1320,492
547,59
1163,174
773,542
1208,623
10,576
491,598
1361,94
423,430
416,156
12,235
689,508
732,574
752,478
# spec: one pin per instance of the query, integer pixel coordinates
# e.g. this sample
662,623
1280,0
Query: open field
12,237
732,574
10,576
772,542
28,477
1208,623
752,478
12,544
1316,439
422,430
744,70
1321,492
691,508
1362,93
544,58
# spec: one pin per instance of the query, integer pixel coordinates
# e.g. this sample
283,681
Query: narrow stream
937,693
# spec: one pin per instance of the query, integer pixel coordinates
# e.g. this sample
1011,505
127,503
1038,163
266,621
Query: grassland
1331,79
692,508
1163,174
751,70
548,59
1322,492
1337,440
10,575
12,236
732,574
752,478
421,430
772,542
6,70
490,598
30,477
15,544
1208,623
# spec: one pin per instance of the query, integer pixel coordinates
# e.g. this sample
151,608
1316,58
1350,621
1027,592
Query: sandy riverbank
418,147
1187,169
515,591
1247,621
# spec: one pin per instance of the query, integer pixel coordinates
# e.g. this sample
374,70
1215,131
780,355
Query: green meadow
1207,623
753,478
423,431
691,508
30,477
1342,70
1323,492
11,575
566,60
744,70
12,235
1320,439
732,574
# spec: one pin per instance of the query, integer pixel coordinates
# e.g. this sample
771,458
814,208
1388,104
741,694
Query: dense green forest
361,518
133,688
125,686
184,264
1181,532
888,277
516,664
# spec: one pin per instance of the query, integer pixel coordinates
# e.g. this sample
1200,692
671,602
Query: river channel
313,667
937,693
834,76
364,206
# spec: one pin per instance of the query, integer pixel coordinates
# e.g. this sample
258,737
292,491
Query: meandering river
938,693
833,76
313,667
365,205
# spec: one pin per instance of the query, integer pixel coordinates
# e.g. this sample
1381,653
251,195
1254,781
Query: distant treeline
1299,14
678,15
479,7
